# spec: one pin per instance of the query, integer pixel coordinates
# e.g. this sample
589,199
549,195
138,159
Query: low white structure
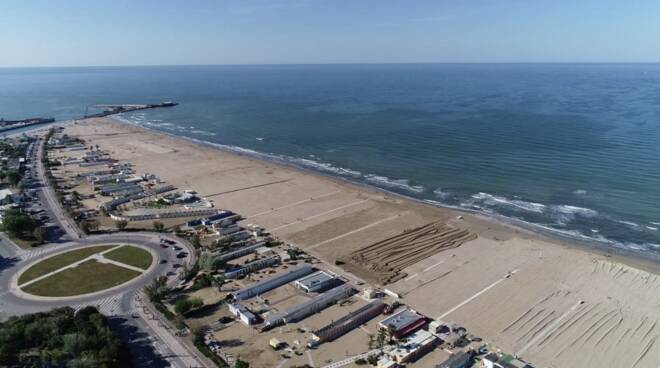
243,314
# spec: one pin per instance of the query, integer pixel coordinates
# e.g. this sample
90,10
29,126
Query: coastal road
47,194
118,303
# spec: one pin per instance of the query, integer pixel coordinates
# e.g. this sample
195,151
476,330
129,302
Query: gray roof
314,279
401,319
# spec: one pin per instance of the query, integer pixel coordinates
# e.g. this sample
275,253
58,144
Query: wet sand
552,302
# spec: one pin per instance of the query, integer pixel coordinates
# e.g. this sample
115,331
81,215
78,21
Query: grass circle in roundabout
85,270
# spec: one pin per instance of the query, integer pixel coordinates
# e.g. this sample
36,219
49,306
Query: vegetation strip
88,277
130,255
54,263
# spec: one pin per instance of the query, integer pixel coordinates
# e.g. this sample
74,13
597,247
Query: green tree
121,224
18,224
184,305
13,177
39,234
158,226
157,290
241,364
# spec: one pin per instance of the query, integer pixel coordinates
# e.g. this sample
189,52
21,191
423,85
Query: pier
118,109
14,124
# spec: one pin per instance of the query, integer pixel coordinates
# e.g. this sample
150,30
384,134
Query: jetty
118,109
14,124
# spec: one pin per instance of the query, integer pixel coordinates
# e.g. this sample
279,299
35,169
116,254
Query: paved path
352,359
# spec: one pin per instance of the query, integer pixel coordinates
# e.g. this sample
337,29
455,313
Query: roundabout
106,271
85,270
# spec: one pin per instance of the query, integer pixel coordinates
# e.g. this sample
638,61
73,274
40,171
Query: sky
192,32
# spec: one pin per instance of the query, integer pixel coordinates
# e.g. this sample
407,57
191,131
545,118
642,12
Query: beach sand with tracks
552,303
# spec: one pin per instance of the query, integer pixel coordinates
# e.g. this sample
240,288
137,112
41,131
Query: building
415,346
3,196
276,344
495,360
271,283
228,256
251,267
243,314
310,307
461,359
386,362
404,322
317,282
347,323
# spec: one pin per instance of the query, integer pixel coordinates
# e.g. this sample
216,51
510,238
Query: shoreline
502,281
639,259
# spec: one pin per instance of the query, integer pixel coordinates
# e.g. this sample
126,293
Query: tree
8,199
196,242
17,223
39,234
184,305
210,262
241,364
158,226
121,224
61,338
157,290
13,177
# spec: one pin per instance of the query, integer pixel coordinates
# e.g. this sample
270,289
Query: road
149,335
47,194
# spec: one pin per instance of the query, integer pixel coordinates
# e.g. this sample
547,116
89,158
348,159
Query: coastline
504,274
639,259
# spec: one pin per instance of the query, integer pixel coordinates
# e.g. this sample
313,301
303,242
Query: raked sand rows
385,259
600,333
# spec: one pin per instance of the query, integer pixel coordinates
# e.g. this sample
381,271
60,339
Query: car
163,245
176,265
177,248
163,261
181,255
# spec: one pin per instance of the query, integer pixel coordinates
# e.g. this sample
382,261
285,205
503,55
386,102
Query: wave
629,224
557,216
441,193
493,200
402,184
580,192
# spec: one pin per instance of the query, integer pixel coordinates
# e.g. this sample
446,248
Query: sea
568,149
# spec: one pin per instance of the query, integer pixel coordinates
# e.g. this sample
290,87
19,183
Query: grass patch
88,277
56,262
132,256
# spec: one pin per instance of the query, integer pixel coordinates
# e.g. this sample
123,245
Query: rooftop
401,319
314,279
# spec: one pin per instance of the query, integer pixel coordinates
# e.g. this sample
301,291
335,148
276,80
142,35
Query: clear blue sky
151,32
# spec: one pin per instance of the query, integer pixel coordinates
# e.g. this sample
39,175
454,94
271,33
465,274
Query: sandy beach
551,302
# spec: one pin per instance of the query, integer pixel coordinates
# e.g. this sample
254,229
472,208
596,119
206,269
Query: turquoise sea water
572,148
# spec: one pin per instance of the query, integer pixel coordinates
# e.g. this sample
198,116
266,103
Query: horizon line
340,63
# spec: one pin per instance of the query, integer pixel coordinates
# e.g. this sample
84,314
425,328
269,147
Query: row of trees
61,338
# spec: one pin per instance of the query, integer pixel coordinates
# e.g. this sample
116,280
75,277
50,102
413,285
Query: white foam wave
203,132
325,167
441,193
402,184
629,224
493,200
654,223
652,228
579,192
